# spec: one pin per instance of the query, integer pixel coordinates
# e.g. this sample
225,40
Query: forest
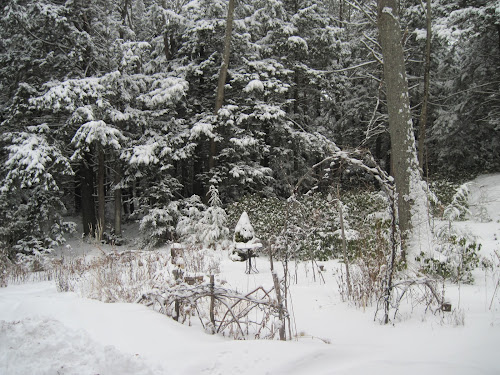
348,151
139,110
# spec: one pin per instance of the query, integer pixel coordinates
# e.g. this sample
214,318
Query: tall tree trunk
296,93
87,196
344,245
166,45
403,149
219,100
422,154
101,194
118,200
124,16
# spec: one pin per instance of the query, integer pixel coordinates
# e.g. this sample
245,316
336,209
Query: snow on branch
97,132
362,159
32,161
165,91
232,314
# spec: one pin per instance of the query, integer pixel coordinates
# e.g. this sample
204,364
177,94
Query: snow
97,132
142,154
43,331
244,228
202,128
296,42
254,85
388,10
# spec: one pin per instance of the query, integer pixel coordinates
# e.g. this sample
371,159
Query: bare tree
425,99
118,199
101,193
222,75
403,149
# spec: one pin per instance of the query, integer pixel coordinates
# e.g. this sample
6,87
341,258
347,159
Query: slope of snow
46,332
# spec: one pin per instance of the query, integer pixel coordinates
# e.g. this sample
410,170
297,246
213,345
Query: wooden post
277,289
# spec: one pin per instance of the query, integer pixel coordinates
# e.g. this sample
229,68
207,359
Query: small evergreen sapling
244,232
244,239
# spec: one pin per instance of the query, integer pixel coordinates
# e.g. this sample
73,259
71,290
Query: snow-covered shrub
456,254
246,245
458,208
243,232
204,227
452,199
158,225
455,260
30,196
367,222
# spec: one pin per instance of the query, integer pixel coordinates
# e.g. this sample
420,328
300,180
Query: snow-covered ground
46,332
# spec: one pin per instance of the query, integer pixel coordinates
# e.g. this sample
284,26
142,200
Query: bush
312,230
456,262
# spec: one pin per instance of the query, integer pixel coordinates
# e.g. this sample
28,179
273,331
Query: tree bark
219,100
118,201
87,197
101,194
403,149
344,246
425,100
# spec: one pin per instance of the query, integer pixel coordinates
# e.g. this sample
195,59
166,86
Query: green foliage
444,189
452,199
462,258
310,225
158,225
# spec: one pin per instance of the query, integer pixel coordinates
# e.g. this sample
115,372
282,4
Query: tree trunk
403,149
219,100
166,46
87,197
118,201
425,100
101,195
344,246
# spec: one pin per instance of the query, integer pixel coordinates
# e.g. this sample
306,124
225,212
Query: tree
403,148
422,155
31,203
219,99
464,134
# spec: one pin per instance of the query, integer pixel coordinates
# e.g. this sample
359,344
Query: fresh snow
244,228
46,332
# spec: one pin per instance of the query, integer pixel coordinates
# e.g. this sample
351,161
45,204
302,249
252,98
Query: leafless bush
416,292
114,277
201,261
236,315
33,268
367,282
367,272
